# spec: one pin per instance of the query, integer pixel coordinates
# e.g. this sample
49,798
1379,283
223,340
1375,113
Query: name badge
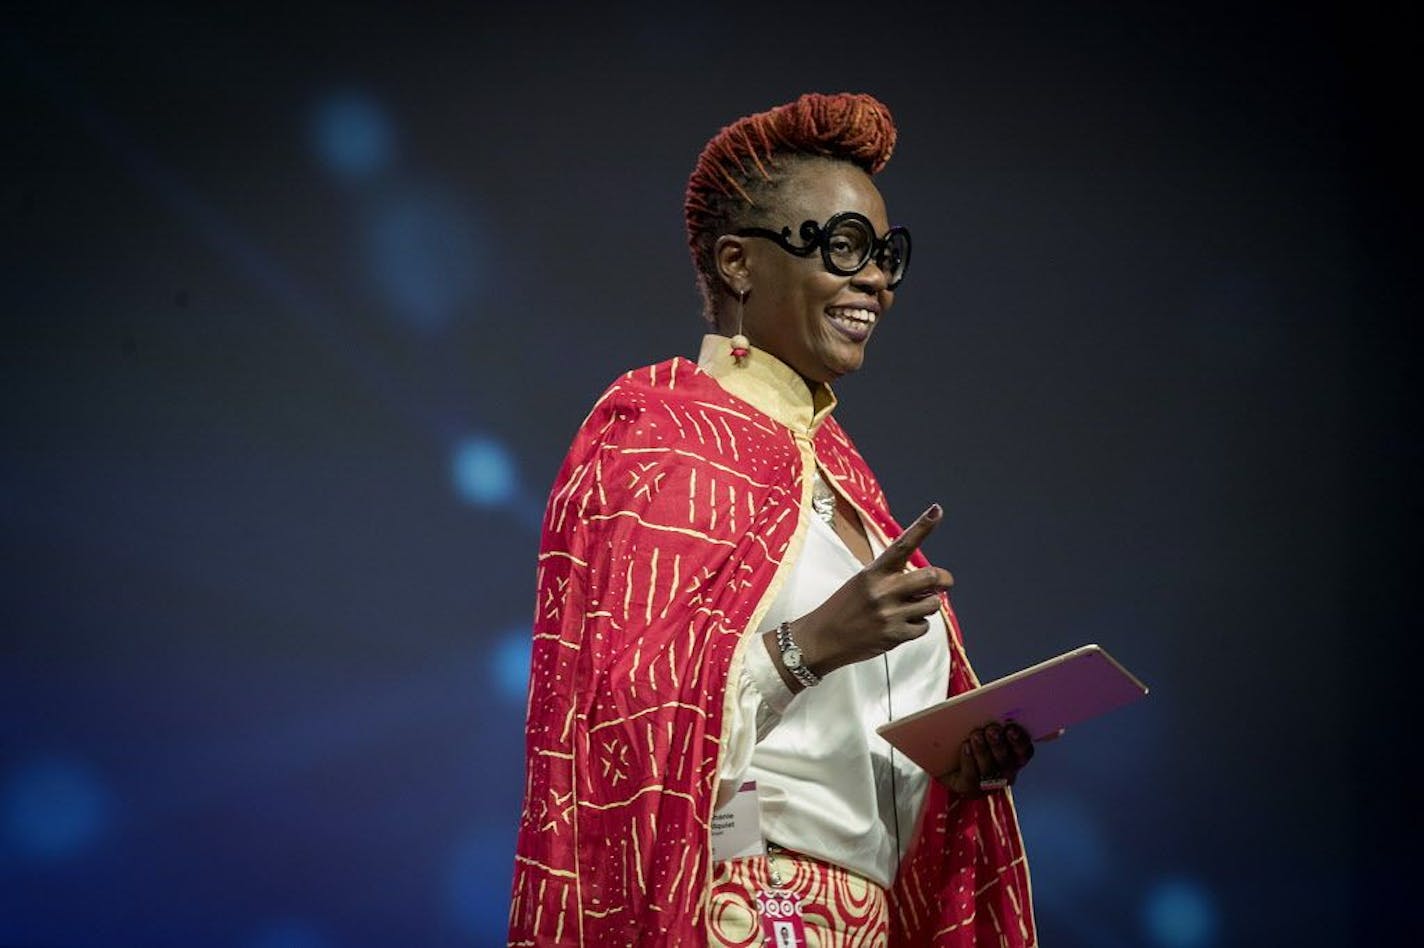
736,828
781,920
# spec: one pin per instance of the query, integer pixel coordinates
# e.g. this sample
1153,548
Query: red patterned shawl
669,530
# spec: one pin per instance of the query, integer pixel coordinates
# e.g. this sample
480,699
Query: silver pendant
823,499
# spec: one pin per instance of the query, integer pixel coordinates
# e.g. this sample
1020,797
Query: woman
720,598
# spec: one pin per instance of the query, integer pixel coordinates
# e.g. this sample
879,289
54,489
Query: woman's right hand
877,609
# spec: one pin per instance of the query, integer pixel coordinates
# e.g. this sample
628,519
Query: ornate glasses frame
818,237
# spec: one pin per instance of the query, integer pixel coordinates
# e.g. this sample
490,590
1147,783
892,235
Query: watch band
791,657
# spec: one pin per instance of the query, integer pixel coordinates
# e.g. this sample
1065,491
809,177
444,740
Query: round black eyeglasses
847,243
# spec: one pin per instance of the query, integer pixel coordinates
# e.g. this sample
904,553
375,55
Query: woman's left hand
990,758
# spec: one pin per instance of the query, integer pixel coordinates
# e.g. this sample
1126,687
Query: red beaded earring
741,346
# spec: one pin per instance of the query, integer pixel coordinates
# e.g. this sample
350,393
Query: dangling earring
741,346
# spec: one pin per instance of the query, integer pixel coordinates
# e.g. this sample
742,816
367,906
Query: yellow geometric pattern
666,536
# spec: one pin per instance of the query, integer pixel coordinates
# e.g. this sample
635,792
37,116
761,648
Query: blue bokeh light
484,472
1069,853
54,807
480,879
290,933
1180,913
352,136
426,256
510,667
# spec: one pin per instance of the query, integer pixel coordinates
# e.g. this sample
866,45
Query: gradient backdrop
302,305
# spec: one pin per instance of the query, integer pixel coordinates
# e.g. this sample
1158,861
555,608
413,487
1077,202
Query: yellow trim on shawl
773,388
768,384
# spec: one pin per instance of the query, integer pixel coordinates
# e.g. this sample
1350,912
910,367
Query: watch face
791,657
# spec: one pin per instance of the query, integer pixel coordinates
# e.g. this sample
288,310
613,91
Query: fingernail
935,512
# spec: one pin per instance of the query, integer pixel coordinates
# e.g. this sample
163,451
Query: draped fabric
668,532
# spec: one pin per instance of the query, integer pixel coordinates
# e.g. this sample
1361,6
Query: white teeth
863,316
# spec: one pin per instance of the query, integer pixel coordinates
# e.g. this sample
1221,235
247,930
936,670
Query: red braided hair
744,162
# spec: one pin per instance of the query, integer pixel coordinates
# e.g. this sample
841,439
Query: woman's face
813,320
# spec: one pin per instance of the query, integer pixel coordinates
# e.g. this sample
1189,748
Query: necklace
823,499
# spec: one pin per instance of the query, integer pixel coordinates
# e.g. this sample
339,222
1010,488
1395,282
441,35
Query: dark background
302,305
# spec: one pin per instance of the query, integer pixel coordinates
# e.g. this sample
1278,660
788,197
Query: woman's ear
730,257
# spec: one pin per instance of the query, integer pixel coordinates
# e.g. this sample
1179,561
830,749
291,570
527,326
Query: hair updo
739,169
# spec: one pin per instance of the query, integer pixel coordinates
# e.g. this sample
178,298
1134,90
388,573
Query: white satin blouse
830,787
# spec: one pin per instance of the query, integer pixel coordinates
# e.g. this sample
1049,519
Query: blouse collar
767,384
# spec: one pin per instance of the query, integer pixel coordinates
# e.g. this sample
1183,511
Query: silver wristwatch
791,657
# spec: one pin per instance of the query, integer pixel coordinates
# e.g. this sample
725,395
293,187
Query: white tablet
1044,699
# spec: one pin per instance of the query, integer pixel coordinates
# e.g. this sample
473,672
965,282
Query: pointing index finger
897,554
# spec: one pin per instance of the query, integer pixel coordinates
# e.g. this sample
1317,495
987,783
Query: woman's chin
842,357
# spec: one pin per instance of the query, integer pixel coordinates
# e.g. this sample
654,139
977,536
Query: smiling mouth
854,321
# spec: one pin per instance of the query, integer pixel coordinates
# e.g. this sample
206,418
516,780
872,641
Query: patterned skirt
839,908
